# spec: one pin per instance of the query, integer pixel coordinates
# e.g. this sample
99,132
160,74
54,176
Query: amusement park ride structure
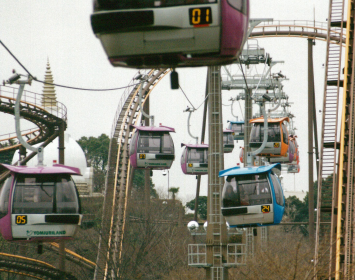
338,212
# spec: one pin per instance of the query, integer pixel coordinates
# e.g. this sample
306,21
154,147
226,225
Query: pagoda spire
49,98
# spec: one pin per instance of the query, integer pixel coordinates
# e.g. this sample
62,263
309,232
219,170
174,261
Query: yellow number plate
21,219
265,208
200,16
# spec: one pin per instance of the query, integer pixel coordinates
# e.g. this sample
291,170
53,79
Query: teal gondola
252,196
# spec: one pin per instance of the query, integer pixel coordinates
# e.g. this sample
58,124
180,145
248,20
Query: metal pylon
216,240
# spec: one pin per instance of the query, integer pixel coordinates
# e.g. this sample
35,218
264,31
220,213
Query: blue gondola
238,128
252,196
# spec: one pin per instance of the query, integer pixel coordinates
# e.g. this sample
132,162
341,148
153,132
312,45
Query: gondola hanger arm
15,79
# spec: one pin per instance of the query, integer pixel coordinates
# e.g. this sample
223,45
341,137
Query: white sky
61,31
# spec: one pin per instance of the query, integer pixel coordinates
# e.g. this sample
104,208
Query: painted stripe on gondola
156,164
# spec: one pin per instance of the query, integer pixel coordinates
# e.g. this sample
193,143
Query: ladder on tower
327,182
345,248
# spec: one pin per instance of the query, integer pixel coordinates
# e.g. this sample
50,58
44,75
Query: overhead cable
58,85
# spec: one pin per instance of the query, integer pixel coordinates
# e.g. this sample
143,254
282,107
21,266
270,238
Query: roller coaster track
72,256
32,268
47,120
296,28
118,178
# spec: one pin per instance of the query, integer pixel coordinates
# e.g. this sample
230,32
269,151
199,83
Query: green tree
96,153
139,181
202,206
96,150
174,191
296,210
6,156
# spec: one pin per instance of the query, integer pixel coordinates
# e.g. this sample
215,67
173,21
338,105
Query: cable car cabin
39,203
290,155
277,142
152,147
238,128
228,141
294,166
252,196
171,33
241,155
194,159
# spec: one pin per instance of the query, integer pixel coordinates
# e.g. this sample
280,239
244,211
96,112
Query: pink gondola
194,159
39,203
153,34
152,147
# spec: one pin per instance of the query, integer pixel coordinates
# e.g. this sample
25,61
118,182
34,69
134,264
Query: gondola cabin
39,203
154,34
290,155
252,196
277,141
152,147
241,155
194,159
238,129
294,166
228,141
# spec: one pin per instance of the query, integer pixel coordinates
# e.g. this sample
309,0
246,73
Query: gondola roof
55,169
154,128
269,120
195,145
237,122
248,170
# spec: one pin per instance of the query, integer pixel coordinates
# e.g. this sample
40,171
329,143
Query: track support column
61,143
310,143
217,238
248,115
61,161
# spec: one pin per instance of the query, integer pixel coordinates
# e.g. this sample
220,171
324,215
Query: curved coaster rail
32,268
46,119
297,28
118,177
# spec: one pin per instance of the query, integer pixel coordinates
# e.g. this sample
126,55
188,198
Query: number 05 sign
21,219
